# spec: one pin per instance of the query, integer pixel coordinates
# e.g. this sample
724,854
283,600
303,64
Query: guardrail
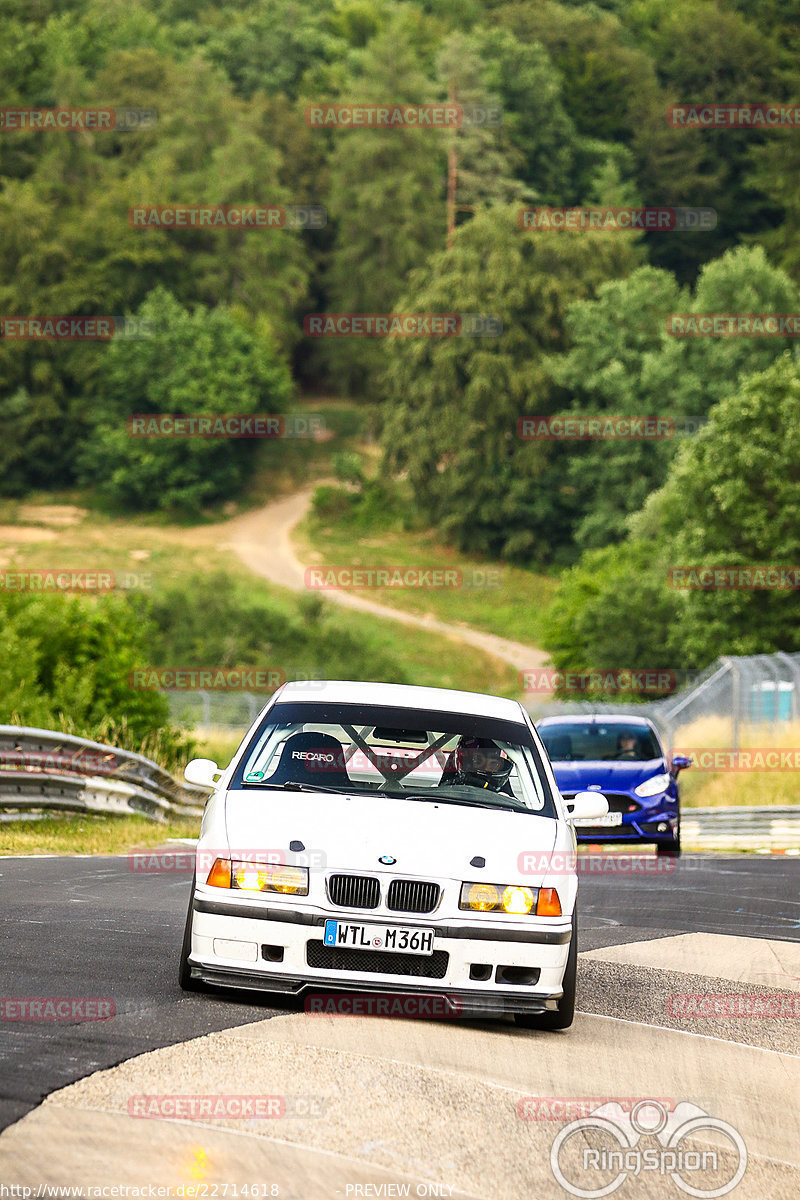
771,827
43,769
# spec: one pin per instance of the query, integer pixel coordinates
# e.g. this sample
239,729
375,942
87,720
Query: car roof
401,695
605,718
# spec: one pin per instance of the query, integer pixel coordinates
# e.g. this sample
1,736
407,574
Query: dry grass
89,833
738,787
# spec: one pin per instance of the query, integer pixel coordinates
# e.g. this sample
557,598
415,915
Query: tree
451,404
623,361
187,362
731,499
613,611
66,663
386,199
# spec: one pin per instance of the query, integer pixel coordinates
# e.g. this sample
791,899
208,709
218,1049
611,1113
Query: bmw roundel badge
387,860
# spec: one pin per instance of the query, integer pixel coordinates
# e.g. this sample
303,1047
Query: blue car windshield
596,741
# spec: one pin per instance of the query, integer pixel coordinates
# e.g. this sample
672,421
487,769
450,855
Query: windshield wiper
452,800
290,786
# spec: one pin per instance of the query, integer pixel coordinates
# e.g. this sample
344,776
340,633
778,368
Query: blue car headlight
654,785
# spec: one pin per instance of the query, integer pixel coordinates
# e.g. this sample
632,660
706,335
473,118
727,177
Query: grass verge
91,833
497,598
719,789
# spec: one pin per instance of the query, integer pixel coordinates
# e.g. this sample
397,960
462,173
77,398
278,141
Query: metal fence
41,769
220,710
762,689
754,690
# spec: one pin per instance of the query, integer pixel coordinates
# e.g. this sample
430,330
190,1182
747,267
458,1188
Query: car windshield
572,741
409,754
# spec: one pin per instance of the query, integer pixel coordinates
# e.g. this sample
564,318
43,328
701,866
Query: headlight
651,787
514,899
259,877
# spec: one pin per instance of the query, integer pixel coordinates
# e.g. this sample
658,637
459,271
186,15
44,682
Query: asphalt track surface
93,927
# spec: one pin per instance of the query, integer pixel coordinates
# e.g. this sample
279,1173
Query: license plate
608,819
390,938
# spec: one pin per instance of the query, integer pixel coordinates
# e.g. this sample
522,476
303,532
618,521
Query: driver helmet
481,762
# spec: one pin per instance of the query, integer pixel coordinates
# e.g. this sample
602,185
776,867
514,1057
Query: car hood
351,833
607,776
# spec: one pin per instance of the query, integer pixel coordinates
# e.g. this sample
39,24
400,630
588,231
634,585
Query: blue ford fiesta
623,758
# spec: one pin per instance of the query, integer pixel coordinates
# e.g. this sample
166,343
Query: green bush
205,362
65,663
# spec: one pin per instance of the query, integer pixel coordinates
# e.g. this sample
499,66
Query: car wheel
670,849
565,1010
184,970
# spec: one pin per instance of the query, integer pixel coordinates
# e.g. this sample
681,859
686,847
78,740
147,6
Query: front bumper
642,827
236,944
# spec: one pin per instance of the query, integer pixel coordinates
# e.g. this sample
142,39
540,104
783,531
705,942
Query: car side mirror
202,771
680,762
586,806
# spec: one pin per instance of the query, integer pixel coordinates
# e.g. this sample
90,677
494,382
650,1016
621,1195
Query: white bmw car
381,839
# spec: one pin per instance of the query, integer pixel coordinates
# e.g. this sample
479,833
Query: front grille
617,801
409,895
335,958
616,833
354,891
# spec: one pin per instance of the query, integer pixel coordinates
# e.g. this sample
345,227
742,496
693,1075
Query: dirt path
262,540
